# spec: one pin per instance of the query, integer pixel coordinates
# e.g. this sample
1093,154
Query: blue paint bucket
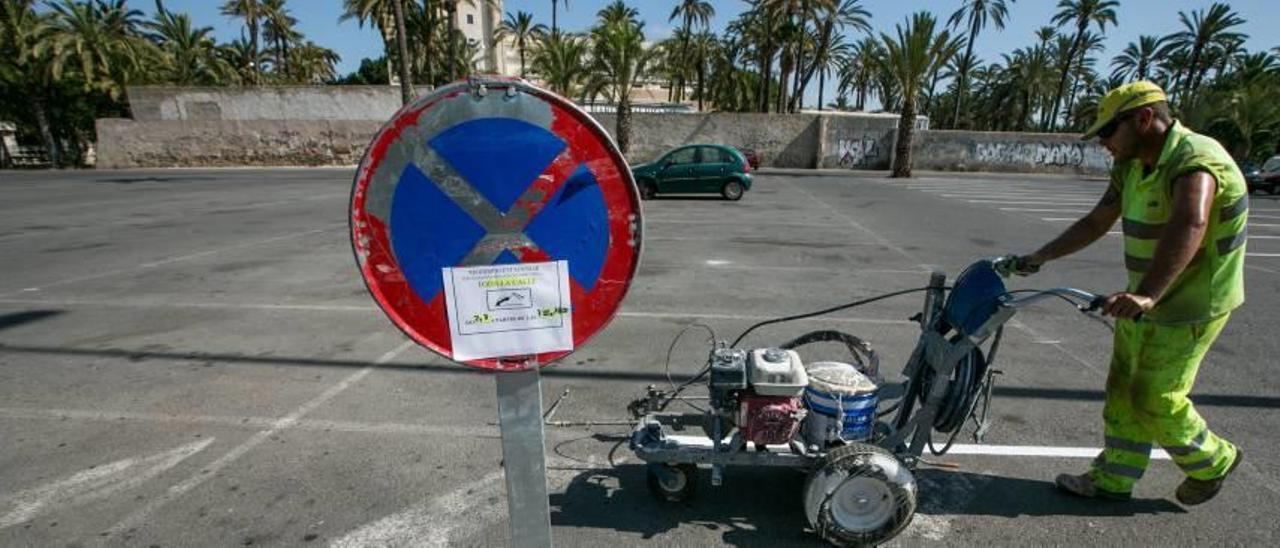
842,403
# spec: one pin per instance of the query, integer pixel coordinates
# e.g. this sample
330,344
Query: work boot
1082,486
1197,491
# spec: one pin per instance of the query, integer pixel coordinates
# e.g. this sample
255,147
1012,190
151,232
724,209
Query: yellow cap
1124,98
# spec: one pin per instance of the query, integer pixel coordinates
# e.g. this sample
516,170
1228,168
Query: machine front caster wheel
861,496
672,482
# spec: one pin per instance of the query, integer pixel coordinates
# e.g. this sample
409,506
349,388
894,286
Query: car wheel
732,190
648,190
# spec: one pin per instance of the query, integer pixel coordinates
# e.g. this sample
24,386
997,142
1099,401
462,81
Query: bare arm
1084,232
1192,204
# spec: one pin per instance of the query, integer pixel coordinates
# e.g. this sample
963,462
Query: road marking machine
832,419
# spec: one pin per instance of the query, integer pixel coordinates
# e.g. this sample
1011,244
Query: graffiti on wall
858,153
1079,155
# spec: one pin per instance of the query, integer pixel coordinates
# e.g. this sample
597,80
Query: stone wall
328,103
1008,152
126,143
332,125
783,140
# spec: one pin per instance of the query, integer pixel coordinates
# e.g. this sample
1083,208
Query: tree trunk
402,42
966,64
624,123
822,80
41,110
1194,72
702,75
902,148
521,59
427,71
1062,82
554,29
766,74
452,8
252,16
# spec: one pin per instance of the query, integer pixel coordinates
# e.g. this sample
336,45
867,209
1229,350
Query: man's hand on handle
1127,305
1022,265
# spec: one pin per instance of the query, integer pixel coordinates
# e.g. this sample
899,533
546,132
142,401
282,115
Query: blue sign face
499,159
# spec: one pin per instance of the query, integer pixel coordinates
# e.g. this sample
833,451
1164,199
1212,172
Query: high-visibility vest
1213,283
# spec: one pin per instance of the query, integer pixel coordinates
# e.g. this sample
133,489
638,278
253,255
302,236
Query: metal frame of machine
859,492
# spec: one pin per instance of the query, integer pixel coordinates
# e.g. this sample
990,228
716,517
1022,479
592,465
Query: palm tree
704,49
402,44
690,11
1200,31
380,14
974,13
190,55
100,39
1081,13
916,52
829,42
559,60
312,64
1253,110
555,27
278,28
251,12
26,41
1138,58
521,29
620,61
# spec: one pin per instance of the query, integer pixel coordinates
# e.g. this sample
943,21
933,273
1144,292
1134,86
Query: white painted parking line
1032,202
1043,210
1036,451
1007,195
1262,254
95,483
875,236
1256,216
1261,237
139,516
1060,219
1262,225
754,318
733,222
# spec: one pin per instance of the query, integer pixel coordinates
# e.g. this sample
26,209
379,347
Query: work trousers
1153,368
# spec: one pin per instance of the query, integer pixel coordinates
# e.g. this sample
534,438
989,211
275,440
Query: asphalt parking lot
189,358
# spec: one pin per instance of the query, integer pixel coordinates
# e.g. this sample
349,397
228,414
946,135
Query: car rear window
1272,165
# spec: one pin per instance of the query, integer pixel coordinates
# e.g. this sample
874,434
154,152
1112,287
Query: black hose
825,311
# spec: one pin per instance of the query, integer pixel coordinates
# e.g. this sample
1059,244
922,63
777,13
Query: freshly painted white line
136,518
1059,219
1036,451
1040,210
754,222
754,318
1058,345
1256,216
1262,254
94,483
434,522
1033,202
1261,237
1263,225
1029,195
716,262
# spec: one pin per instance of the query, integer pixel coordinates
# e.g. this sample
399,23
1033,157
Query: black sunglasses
1110,129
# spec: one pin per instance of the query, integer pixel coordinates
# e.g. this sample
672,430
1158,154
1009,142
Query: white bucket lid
838,378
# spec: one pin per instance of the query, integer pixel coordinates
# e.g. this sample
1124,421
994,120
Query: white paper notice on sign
508,310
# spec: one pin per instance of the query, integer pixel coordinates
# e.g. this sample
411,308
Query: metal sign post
523,458
497,225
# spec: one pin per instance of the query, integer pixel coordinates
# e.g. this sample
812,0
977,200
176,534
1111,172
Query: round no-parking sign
496,224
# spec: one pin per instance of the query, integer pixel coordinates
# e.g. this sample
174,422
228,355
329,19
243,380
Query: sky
318,20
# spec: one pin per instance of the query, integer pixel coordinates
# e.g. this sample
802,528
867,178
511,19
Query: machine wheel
648,190
861,496
672,482
732,190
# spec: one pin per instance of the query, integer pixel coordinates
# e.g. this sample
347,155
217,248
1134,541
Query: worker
1184,207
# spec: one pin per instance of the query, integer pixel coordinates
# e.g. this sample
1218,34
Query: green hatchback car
695,169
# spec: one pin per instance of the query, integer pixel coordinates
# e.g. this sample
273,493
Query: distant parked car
1265,178
695,169
752,155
